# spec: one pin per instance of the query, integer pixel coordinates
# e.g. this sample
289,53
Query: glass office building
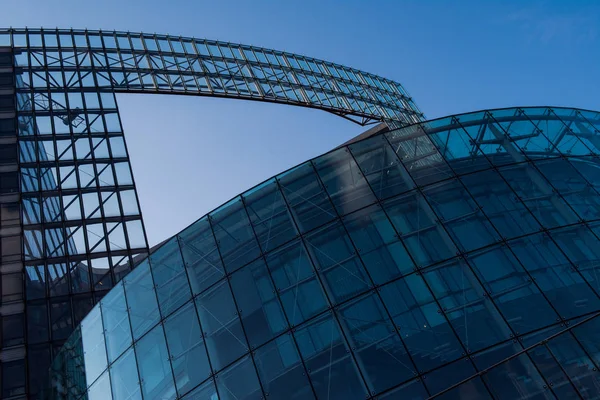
455,257
451,258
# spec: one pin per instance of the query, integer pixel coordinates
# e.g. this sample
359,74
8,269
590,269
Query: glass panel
234,235
500,204
261,313
337,262
449,375
94,350
517,378
141,298
347,188
380,166
186,348
154,367
328,360
225,339
513,291
239,382
124,378
269,215
464,302
202,259
537,194
100,390
419,155
172,285
206,391
308,201
425,331
382,253
281,371
463,219
116,322
417,225
299,290
558,280
379,351
572,187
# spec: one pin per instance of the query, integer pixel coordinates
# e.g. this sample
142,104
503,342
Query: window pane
425,331
328,360
269,215
239,382
382,169
94,350
305,195
154,367
225,339
124,378
100,390
186,348
344,181
281,371
202,259
379,351
141,298
234,235
169,274
337,262
382,253
116,322
261,313
300,292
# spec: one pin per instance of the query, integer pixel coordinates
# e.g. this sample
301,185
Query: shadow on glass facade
451,258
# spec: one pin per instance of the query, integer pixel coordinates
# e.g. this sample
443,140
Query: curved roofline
408,127
144,62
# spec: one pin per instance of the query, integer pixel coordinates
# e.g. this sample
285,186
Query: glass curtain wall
457,258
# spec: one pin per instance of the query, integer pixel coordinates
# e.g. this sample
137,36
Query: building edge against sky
71,222
475,232
451,258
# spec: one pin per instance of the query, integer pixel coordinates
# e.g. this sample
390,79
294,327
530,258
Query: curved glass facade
457,257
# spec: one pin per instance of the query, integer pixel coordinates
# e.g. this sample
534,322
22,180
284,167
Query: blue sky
190,155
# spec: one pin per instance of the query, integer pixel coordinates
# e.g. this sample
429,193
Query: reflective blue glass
260,310
101,388
141,299
424,329
337,262
154,367
124,378
375,342
234,235
201,256
187,351
239,381
116,322
308,202
328,359
222,328
377,243
172,285
94,348
281,371
296,283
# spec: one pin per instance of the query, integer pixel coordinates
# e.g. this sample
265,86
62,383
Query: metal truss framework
140,62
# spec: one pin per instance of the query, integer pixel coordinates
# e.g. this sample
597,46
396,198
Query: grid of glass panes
81,218
144,62
373,271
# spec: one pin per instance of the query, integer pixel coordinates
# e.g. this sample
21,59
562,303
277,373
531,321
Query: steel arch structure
141,62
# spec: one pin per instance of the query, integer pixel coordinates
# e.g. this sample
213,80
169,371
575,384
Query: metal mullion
334,308
292,328
238,309
199,59
427,284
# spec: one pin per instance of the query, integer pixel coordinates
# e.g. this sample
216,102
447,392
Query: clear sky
190,155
